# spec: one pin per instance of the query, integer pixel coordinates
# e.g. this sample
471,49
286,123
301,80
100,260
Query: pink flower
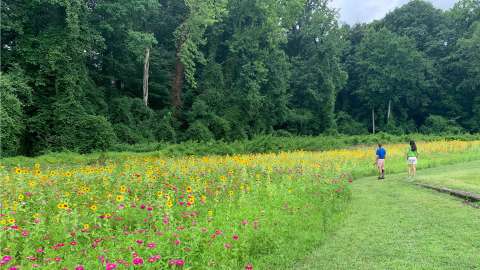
58,259
244,222
149,208
40,250
80,267
142,206
139,242
110,266
137,261
228,245
7,258
177,242
24,233
151,245
249,267
235,237
152,259
180,262
13,268
165,220
73,243
218,232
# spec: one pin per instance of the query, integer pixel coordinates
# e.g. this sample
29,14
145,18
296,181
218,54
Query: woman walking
412,155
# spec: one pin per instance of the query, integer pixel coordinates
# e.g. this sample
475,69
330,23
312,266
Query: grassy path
397,225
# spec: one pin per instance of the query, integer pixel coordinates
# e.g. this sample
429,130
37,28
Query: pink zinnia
13,268
139,242
40,250
235,237
179,262
151,245
7,258
249,267
138,261
177,242
111,266
80,267
73,243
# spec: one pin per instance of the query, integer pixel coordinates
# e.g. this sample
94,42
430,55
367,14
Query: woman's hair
413,146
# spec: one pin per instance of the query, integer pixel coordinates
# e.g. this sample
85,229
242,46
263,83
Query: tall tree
188,37
392,74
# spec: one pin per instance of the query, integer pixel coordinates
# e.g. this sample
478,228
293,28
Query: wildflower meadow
257,211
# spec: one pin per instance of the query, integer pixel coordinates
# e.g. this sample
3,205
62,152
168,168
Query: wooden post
146,67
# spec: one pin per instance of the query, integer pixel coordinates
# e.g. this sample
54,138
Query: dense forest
83,75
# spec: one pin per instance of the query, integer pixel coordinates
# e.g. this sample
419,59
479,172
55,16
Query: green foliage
199,132
347,125
436,124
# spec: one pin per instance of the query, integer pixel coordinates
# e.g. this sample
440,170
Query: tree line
82,75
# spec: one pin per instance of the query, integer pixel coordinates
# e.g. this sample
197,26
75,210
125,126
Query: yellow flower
68,174
203,198
21,197
189,189
18,170
3,221
86,226
191,199
210,213
93,207
120,198
230,193
169,203
11,220
62,206
159,193
123,189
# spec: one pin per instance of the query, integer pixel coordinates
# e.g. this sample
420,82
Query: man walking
380,161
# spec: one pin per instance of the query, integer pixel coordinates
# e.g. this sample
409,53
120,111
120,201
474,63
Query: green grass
397,225
455,177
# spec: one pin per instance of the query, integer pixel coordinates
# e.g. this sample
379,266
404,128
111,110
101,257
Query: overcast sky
359,11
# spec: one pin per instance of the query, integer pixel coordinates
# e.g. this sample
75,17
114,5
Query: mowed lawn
397,225
459,177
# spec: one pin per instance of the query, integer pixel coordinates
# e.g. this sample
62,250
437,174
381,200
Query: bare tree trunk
389,110
146,67
373,121
176,94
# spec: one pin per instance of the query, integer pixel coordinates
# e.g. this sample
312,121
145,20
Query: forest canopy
83,75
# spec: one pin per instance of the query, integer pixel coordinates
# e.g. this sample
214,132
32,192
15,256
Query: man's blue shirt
381,153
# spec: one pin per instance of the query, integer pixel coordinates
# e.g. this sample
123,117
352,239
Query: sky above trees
354,11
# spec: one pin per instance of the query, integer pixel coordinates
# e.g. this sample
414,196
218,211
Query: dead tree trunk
146,67
389,110
176,94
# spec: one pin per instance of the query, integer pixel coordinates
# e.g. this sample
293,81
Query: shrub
349,126
12,124
436,124
199,132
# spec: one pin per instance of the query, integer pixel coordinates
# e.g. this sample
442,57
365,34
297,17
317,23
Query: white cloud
358,11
